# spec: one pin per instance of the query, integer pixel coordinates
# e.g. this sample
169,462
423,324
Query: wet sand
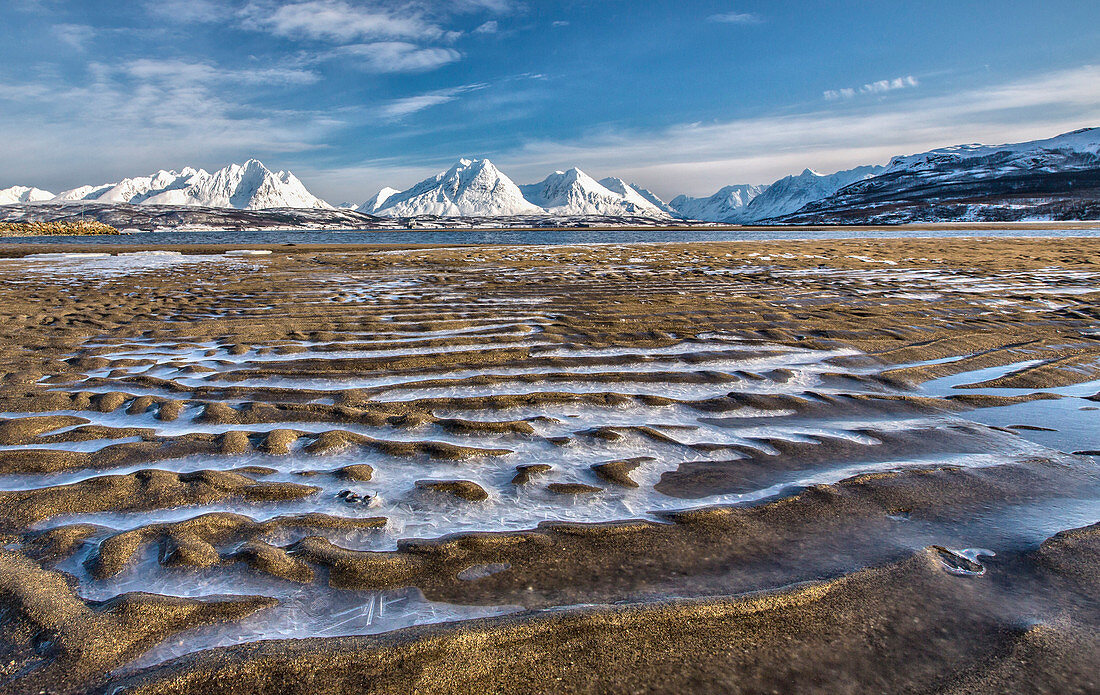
724,467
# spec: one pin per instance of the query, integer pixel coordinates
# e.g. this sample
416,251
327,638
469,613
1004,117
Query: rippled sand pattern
209,450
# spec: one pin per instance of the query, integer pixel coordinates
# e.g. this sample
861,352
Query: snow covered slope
1053,179
726,205
377,200
471,188
23,194
791,194
1077,150
644,201
574,192
248,186
748,203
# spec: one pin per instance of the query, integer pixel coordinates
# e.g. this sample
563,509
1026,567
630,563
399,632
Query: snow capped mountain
23,194
570,192
791,194
749,203
476,188
377,200
471,188
726,205
574,192
1077,150
135,191
1053,179
644,201
248,186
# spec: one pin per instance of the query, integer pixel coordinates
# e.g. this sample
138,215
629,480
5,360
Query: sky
680,97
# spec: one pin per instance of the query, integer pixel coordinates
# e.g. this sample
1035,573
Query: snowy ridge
726,205
471,188
1076,150
644,201
476,188
792,193
248,186
574,192
23,194
977,169
1053,179
377,200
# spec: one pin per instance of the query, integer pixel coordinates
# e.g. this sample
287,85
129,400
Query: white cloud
560,23
491,5
734,18
189,10
338,21
186,72
399,108
490,27
75,35
497,6
398,56
879,87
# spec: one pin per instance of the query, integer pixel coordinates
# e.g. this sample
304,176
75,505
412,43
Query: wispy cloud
497,6
184,11
187,72
75,35
398,56
490,27
735,18
400,108
879,87
339,21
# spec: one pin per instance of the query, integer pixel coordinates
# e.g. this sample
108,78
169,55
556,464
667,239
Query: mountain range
1056,178
24,194
248,186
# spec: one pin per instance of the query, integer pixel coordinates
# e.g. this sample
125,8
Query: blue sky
679,96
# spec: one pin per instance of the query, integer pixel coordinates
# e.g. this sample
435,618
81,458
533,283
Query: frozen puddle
1067,422
105,265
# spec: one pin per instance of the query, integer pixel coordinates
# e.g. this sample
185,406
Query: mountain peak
573,192
726,205
471,188
377,200
24,194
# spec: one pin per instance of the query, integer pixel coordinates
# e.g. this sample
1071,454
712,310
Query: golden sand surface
797,466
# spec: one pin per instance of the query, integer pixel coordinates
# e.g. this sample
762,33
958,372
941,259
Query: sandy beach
746,467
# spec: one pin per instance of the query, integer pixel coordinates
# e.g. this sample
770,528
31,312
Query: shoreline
697,227
10,249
